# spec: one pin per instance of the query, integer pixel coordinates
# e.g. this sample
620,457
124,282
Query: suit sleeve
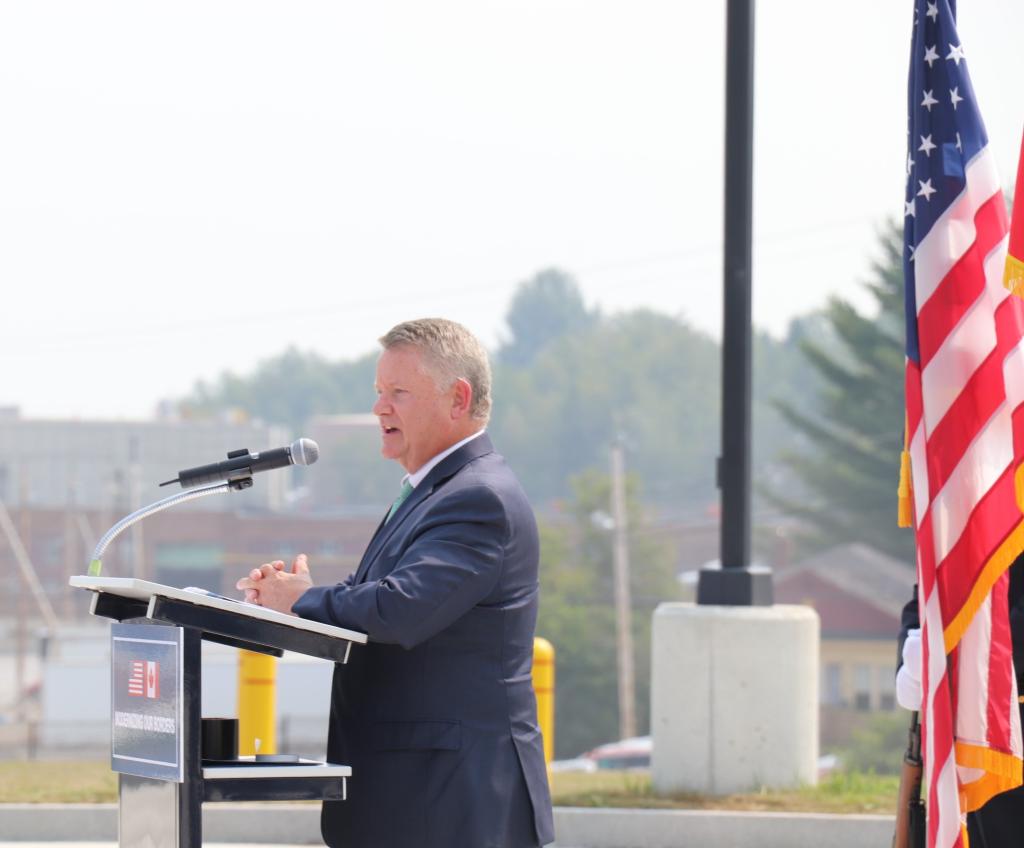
453,562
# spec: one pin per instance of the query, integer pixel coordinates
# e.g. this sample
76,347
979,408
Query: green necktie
402,495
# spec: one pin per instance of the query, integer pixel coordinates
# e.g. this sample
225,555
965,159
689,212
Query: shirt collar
421,472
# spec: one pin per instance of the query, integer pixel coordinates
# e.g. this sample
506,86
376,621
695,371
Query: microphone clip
244,478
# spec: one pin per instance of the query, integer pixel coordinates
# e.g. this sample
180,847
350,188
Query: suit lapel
372,547
440,473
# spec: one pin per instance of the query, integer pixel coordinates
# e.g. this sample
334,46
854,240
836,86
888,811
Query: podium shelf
247,769
307,781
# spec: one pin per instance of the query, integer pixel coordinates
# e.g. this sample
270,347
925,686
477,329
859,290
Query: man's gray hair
452,352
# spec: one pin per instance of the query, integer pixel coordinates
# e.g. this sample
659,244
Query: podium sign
146,701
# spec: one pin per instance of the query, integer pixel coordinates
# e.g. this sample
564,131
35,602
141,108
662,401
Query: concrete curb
576,827
58,822
279,824
581,827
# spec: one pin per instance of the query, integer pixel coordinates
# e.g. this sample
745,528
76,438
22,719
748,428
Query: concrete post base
734,698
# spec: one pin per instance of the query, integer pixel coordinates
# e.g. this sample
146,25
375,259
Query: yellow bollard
544,689
257,699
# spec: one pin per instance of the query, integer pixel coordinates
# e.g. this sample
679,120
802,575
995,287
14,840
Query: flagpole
737,583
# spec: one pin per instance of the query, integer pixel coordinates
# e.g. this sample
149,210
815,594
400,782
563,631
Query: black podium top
223,620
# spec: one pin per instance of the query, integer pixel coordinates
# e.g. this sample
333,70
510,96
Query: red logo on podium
145,679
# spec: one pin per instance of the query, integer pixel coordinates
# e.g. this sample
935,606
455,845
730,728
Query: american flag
965,430
1013,279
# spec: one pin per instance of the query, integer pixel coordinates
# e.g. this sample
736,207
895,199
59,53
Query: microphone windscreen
305,452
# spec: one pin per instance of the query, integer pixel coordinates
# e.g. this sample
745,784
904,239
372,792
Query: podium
156,706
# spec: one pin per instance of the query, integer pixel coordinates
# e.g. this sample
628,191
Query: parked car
580,763
624,755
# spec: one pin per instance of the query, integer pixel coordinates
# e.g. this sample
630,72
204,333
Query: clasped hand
273,587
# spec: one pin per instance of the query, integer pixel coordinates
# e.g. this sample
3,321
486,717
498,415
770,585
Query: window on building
886,687
862,687
832,685
190,565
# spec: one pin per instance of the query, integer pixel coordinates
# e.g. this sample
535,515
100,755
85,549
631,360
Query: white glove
908,678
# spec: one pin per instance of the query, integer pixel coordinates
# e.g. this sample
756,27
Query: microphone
241,465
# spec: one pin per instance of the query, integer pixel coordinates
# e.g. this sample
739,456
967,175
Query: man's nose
380,407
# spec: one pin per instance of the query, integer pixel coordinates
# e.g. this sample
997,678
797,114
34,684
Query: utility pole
135,501
21,613
71,557
623,601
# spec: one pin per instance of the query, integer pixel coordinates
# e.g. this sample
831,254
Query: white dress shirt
416,478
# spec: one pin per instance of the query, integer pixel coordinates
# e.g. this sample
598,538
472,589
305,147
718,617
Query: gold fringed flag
904,515
965,423
1013,278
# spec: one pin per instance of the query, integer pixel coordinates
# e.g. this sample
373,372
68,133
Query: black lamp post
737,583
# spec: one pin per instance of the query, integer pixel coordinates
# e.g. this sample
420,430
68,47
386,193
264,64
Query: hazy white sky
191,187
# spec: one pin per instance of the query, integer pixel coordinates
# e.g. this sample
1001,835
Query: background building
118,465
859,594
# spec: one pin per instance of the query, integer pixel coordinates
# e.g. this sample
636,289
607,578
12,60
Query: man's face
415,415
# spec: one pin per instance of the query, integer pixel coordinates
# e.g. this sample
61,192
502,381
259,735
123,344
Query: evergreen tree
848,476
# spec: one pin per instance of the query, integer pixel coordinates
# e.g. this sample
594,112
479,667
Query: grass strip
837,793
78,782
57,782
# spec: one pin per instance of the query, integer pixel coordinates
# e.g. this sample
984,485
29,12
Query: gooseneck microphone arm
233,473
96,564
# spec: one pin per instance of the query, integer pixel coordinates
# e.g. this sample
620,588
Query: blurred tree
641,373
848,475
577,612
289,389
565,383
782,370
876,745
545,308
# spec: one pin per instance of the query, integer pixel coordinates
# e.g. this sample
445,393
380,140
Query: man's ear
462,399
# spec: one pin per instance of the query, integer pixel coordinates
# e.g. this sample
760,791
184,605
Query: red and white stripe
137,681
966,440
144,679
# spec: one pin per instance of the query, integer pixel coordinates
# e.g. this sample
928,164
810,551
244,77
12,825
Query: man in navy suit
436,714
